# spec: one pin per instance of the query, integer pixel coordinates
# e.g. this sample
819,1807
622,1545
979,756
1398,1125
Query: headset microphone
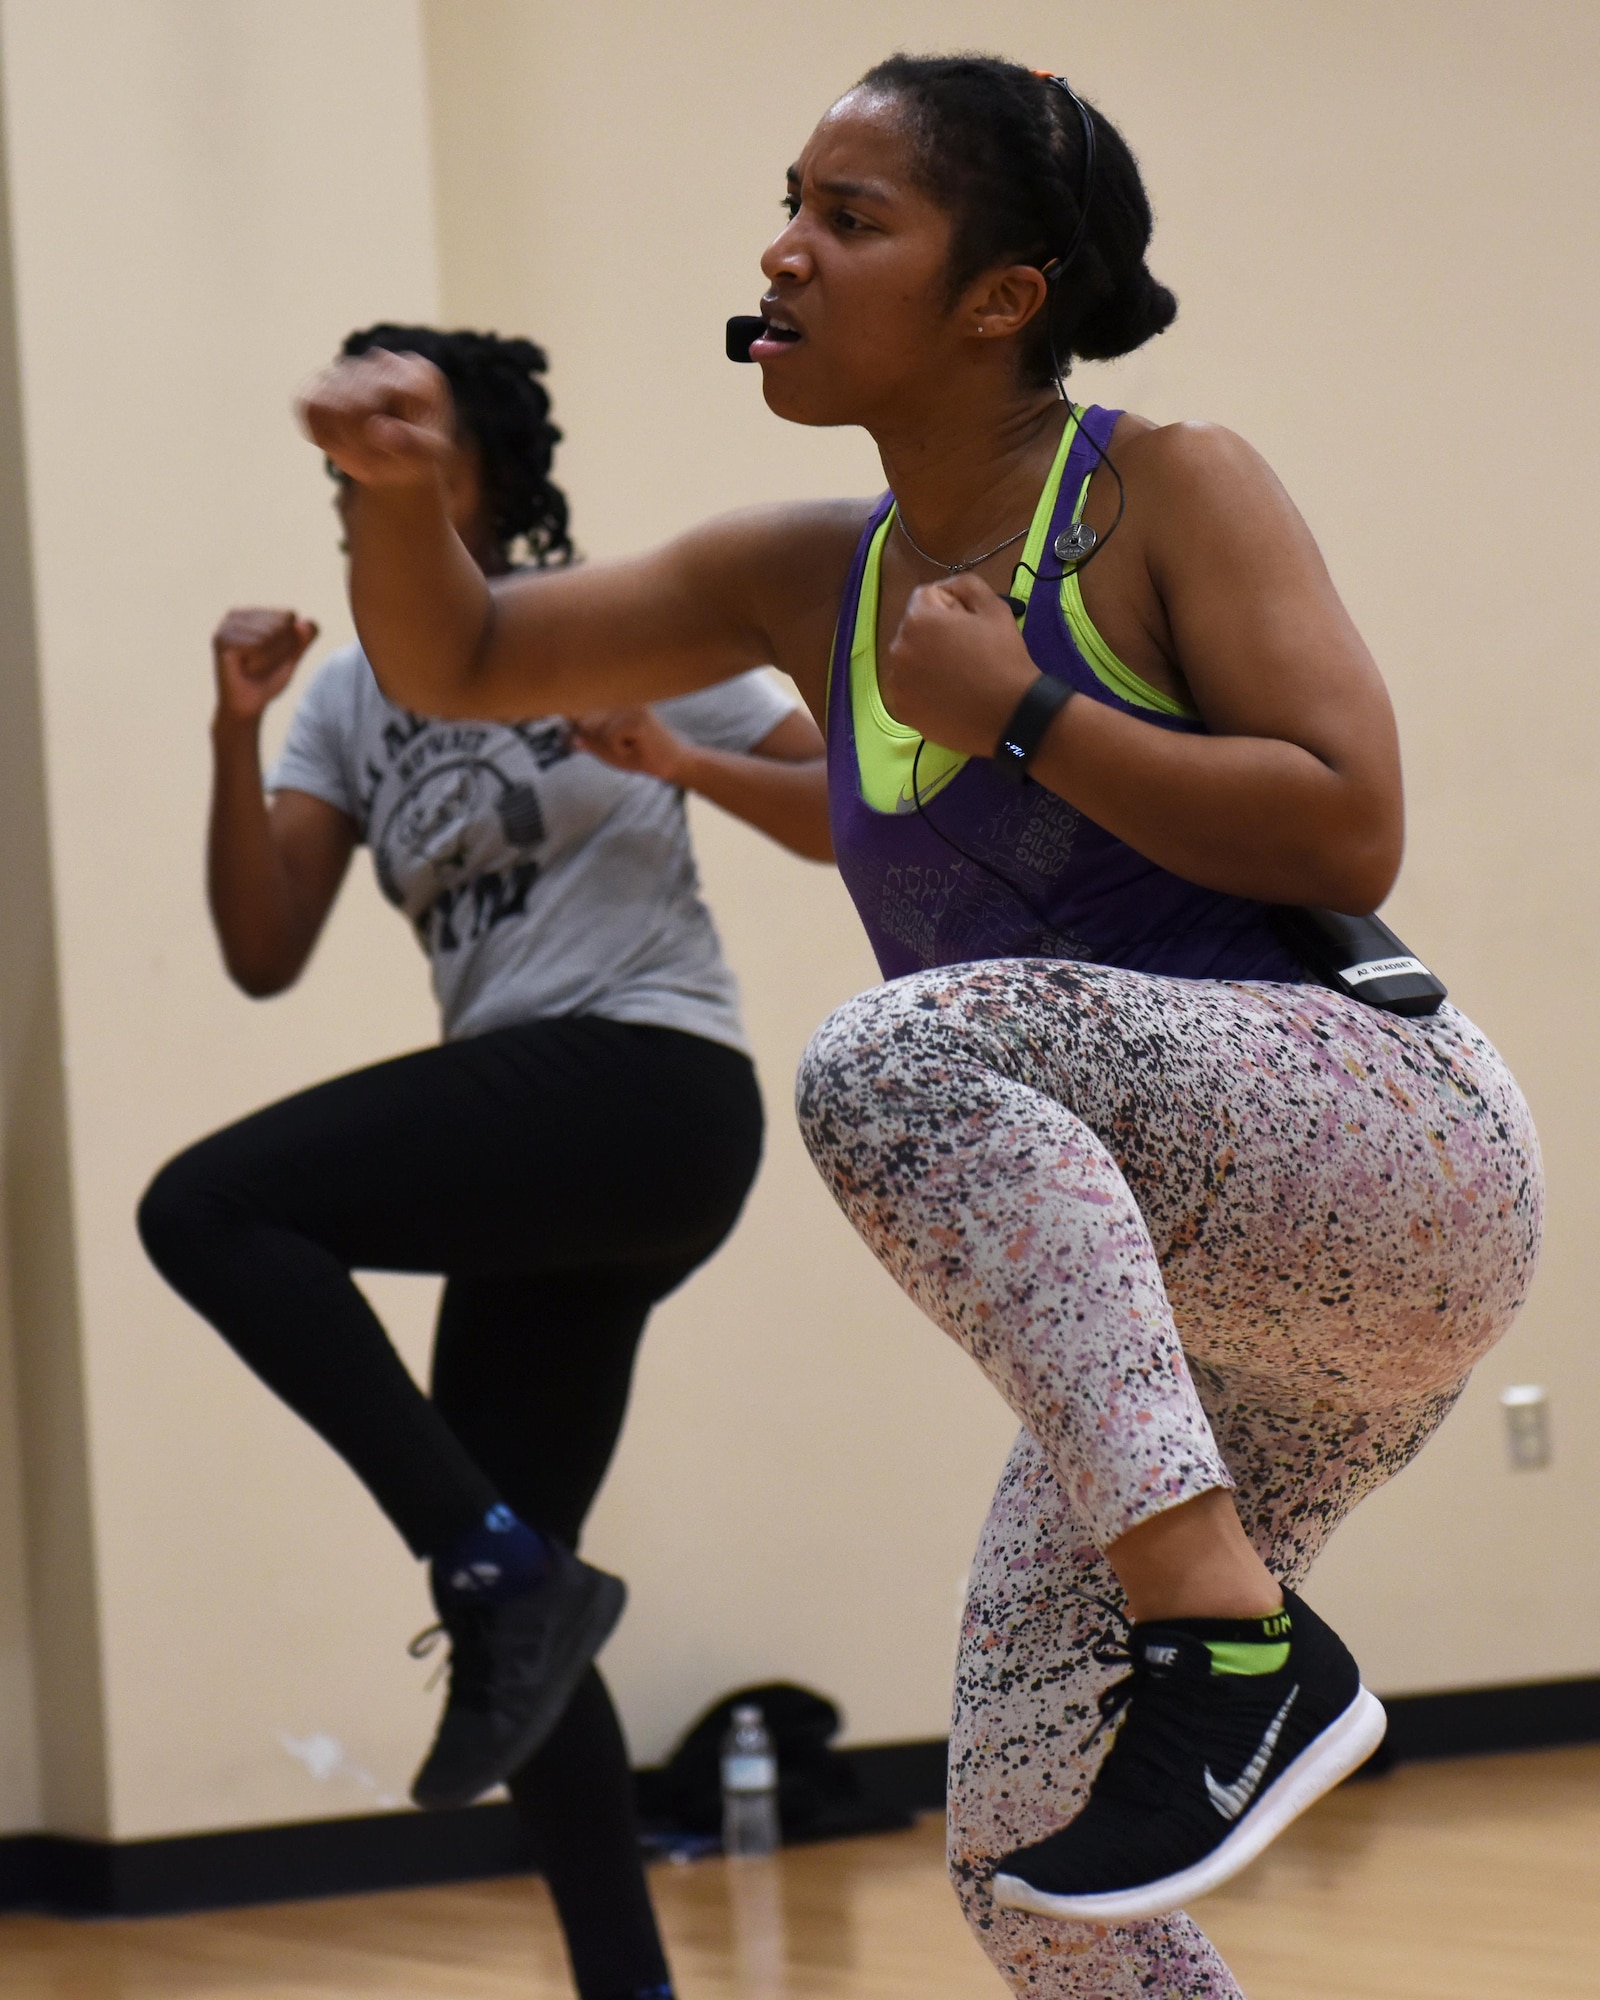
744,330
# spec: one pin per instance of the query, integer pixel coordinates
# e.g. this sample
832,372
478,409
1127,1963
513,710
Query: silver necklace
955,568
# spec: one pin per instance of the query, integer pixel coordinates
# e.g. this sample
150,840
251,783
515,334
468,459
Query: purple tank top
924,904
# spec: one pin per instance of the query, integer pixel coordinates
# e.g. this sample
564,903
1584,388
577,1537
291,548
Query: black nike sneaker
1206,1769
513,1667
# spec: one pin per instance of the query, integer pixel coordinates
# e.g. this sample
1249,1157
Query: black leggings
563,1175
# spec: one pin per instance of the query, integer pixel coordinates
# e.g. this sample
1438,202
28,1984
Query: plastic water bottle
749,1787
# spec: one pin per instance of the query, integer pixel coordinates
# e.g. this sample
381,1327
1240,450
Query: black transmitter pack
1361,956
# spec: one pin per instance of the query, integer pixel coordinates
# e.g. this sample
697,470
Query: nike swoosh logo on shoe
1231,1800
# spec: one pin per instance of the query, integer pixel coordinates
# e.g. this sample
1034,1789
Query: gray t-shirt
539,881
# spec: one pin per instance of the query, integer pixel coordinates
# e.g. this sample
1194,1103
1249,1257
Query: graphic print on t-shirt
538,880
456,822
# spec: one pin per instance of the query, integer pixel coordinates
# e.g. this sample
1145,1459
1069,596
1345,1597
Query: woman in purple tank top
1228,1242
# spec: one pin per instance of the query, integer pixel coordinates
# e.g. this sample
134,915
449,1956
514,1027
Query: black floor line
406,1850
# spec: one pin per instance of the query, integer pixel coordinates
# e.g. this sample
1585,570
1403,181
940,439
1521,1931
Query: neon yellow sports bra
886,750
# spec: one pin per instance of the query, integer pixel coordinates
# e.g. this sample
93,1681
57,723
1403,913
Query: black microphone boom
744,330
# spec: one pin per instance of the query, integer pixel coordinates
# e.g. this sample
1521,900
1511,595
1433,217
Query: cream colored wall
1380,223
205,195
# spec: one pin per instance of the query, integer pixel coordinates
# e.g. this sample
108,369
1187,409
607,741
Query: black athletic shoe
513,1667
1205,1770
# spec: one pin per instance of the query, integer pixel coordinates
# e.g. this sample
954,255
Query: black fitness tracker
1023,734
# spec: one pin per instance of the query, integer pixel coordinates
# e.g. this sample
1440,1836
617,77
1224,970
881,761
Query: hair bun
1139,308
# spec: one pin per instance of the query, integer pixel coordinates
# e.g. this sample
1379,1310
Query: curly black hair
505,409
1001,149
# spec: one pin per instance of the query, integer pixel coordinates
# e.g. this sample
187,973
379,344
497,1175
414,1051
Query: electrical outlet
1527,1411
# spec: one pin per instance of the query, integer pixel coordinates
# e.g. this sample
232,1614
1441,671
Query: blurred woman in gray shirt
581,1140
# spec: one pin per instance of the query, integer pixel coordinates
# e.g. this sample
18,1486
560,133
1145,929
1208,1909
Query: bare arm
753,588
272,868
1295,795
779,787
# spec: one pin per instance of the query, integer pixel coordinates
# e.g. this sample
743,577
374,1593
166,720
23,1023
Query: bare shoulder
1204,496
1197,465
1190,456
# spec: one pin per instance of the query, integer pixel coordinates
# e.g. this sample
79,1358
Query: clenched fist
957,667
383,419
633,739
256,652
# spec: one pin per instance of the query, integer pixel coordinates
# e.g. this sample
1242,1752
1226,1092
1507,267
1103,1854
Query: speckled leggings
1197,1234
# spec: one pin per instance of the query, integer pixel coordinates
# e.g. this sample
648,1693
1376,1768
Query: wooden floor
1477,1880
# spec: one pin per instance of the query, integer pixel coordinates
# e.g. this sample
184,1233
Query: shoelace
467,1662
423,1645
1143,1766
1112,1647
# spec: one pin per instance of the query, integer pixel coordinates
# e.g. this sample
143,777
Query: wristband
1023,734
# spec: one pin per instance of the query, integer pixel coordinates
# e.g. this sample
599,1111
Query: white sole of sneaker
1345,1744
